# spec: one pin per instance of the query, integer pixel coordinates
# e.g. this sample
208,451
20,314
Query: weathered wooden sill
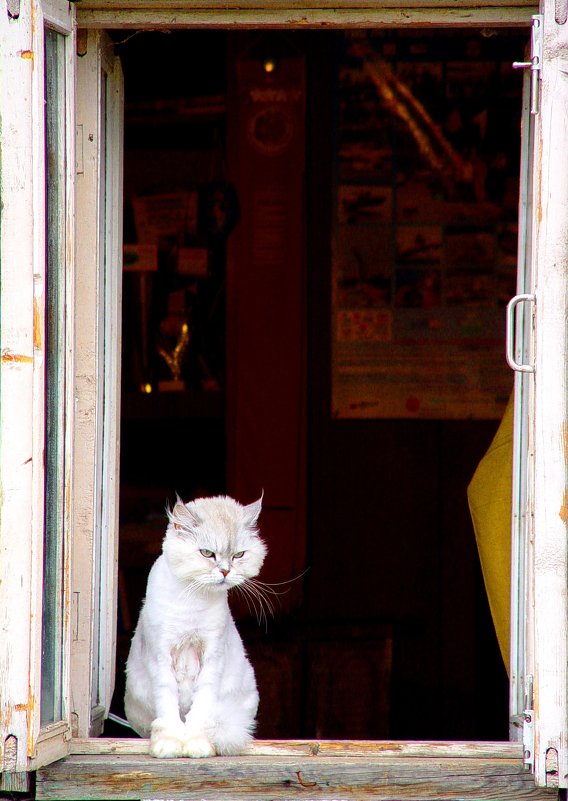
381,771
302,13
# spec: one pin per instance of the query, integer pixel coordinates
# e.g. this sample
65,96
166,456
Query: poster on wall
425,224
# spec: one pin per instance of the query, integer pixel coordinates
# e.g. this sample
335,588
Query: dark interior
384,629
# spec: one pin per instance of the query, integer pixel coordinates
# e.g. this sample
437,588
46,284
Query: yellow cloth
489,496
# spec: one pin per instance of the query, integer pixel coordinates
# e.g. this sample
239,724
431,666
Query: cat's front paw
198,746
166,741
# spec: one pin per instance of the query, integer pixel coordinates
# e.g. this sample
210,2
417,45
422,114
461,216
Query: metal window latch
535,64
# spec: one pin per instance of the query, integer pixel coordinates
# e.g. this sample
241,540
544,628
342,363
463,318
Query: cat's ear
252,511
181,517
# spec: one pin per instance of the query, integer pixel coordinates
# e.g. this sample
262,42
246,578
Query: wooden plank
264,779
357,748
409,5
292,14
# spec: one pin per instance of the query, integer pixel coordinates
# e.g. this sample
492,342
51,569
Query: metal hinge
526,721
535,64
528,725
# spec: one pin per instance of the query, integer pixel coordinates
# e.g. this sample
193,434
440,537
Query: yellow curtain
489,496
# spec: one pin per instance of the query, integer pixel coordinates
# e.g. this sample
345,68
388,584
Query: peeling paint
563,513
564,435
15,358
5,717
30,707
38,328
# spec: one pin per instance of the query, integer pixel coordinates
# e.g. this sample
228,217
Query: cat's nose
224,571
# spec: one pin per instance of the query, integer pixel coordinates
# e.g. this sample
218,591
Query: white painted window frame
523,463
97,383
544,630
24,743
533,571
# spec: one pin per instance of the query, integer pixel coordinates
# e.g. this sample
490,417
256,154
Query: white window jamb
98,332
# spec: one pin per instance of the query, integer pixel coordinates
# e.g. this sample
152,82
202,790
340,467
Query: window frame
97,14
97,381
100,14
106,758
23,242
51,740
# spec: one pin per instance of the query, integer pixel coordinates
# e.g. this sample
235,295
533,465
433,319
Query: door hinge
528,725
526,721
535,64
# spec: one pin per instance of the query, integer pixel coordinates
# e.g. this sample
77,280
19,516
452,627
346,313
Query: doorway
393,601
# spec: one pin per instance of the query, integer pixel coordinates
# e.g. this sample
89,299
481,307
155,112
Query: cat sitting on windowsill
189,684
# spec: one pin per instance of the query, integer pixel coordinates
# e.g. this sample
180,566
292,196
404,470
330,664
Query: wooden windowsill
381,771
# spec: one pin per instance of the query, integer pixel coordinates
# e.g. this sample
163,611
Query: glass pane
52,625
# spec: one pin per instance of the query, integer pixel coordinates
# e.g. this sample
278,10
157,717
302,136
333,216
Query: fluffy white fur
189,684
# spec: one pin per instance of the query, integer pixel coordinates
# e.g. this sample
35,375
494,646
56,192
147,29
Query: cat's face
214,542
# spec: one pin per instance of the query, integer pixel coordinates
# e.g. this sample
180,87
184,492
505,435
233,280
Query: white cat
189,685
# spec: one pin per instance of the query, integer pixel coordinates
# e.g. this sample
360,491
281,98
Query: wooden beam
320,14
407,5
338,748
122,777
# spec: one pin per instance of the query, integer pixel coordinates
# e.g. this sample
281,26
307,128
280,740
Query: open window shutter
521,358
37,49
16,398
98,336
541,698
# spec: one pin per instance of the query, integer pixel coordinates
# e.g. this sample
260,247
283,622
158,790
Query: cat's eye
208,554
238,554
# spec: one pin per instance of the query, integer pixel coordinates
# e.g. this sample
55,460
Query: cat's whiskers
196,587
251,603
281,583
259,607
190,590
256,593
267,588
252,609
